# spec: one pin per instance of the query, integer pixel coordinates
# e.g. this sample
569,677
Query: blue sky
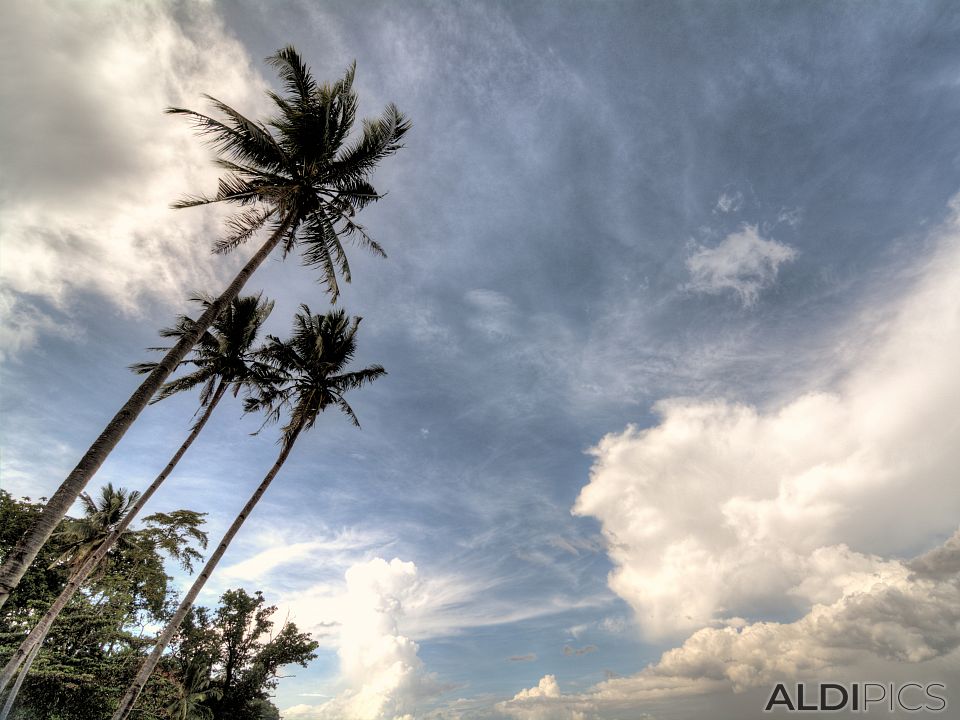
669,316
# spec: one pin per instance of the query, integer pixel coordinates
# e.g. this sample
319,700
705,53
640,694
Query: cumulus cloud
383,676
743,262
545,701
542,702
908,614
90,161
724,509
723,514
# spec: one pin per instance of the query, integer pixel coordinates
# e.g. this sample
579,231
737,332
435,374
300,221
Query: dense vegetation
223,664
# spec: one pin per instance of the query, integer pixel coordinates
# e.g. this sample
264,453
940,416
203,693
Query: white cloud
729,202
743,262
91,163
723,509
791,216
723,513
23,322
439,605
339,550
384,677
545,701
911,615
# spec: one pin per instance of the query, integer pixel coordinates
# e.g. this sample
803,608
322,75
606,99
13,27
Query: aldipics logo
859,697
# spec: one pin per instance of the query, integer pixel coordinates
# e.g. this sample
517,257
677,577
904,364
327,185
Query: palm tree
309,375
300,176
222,358
194,692
86,535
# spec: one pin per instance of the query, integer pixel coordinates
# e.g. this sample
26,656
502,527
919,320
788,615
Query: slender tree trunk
20,557
15,690
77,578
136,687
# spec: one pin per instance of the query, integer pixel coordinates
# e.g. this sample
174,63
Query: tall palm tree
300,176
222,360
309,375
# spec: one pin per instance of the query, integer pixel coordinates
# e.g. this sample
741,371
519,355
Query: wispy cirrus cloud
744,262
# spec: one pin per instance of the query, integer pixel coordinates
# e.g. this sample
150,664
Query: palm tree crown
100,517
307,372
305,375
297,171
193,694
223,352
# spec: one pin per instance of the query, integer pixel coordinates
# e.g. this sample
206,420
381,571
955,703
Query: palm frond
294,73
319,241
258,143
357,379
348,411
298,173
234,142
241,227
380,139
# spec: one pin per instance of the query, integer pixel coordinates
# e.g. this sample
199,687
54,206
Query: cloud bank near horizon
907,612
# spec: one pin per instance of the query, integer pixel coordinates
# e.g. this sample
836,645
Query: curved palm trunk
77,578
136,687
15,690
19,559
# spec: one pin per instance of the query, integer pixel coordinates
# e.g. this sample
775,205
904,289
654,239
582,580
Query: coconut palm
308,374
84,536
222,360
193,693
301,177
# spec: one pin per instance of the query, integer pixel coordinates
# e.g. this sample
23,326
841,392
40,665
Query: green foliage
44,577
223,352
238,643
83,536
225,663
307,373
195,693
172,534
99,639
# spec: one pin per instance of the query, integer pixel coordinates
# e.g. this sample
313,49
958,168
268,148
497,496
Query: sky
671,317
